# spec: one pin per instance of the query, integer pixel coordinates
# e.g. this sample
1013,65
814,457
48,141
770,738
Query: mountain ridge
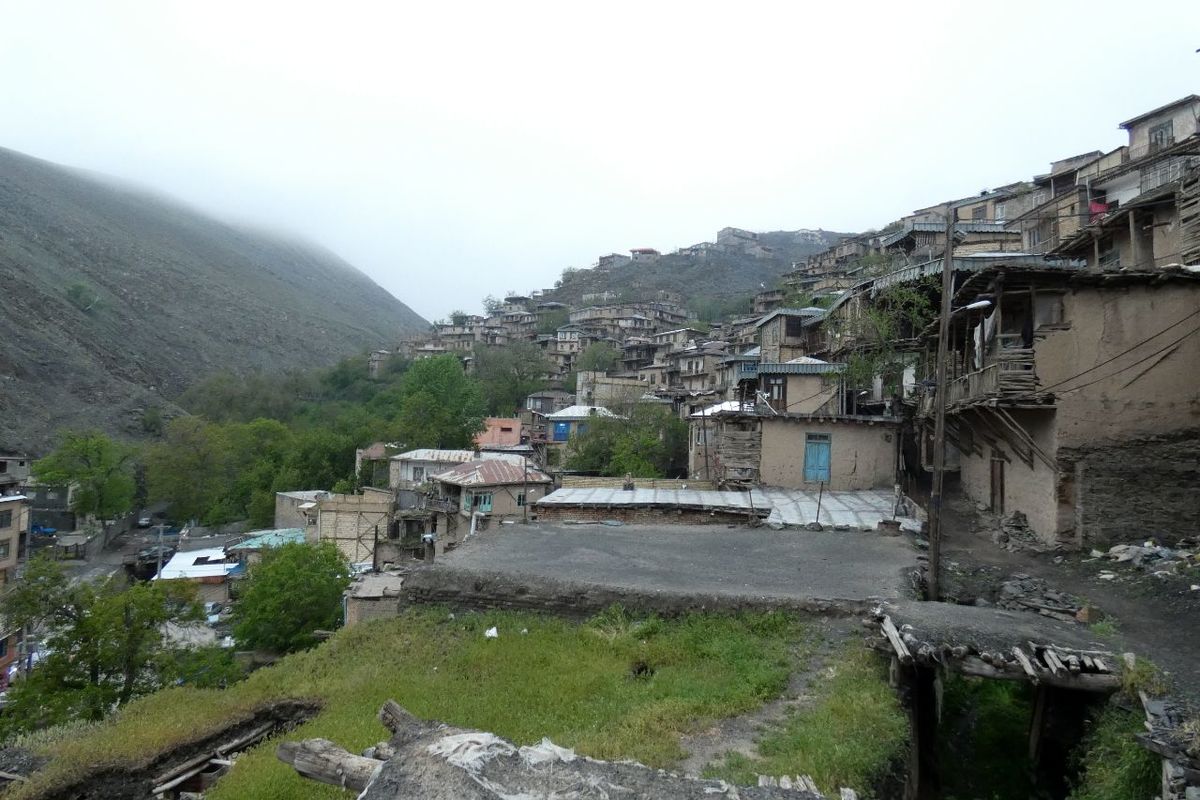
174,294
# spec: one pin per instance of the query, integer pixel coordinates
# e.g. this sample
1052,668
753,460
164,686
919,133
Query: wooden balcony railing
1010,377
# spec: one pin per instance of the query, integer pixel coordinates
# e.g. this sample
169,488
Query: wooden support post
322,760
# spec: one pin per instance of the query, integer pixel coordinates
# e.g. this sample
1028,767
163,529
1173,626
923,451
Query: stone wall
644,516
1140,489
469,589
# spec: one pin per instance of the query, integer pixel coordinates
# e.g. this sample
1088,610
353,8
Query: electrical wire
1107,361
1140,361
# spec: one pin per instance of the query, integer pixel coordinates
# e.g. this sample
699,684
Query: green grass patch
985,724
850,735
1106,627
1112,765
575,683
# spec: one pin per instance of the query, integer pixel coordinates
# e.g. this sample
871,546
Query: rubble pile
1015,534
1026,593
1152,558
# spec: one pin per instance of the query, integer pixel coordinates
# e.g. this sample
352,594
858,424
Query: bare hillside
113,300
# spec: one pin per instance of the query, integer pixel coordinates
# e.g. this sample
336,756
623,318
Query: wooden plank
893,636
1026,664
1052,660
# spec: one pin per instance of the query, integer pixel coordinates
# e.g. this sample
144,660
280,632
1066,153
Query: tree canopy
650,443
101,470
598,357
510,374
295,590
440,405
105,644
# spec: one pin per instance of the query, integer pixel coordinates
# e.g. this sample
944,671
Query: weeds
851,734
1142,676
1106,627
555,679
1111,764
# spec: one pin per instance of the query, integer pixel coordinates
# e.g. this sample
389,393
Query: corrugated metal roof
8,498
309,495
807,311
784,507
270,538
431,454
492,472
822,368
697,499
210,562
580,412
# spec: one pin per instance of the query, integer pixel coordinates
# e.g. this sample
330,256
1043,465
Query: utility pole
158,571
939,419
525,489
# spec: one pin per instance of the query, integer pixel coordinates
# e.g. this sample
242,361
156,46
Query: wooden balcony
1011,378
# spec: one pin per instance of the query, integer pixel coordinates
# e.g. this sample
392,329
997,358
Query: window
3,465
701,437
481,502
506,429
5,549
794,327
520,499
6,519
1035,237
816,457
979,212
1000,212
1161,135
418,474
562,431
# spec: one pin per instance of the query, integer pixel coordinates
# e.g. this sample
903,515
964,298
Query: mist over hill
114,300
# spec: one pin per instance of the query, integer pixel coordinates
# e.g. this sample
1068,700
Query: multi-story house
14,525
14,472
784,334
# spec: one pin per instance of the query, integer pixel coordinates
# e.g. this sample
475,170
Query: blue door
816,457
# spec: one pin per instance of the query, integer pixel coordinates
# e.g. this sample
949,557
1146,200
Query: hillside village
1072,301
1069,410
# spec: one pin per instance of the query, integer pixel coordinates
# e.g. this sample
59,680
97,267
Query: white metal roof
432,454
309,495
207,563
580,412
8,498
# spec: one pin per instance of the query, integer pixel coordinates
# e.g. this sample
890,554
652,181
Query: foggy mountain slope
180,295
713,279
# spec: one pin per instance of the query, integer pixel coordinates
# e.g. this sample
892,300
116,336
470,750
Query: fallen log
322,760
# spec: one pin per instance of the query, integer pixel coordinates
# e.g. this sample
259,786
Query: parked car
143,522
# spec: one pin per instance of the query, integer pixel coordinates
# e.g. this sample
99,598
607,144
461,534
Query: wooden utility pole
939,418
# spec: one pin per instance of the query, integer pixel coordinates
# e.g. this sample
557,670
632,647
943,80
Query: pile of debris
1025,593
438,762
1170,735
1015,534
1153,558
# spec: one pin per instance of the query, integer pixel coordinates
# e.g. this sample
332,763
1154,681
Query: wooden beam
322,760
1026,664
893,636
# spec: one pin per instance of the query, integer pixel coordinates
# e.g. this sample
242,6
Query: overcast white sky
452,150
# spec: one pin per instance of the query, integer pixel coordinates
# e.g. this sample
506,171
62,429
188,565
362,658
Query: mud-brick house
356,523
479,494
734,444
210,570
786,333
1074,399
14,524
298,509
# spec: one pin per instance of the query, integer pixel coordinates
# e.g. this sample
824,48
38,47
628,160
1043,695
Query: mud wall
478,590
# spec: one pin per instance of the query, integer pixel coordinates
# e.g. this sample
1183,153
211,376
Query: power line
1142,360
1095,367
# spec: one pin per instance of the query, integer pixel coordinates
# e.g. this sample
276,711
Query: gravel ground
802,565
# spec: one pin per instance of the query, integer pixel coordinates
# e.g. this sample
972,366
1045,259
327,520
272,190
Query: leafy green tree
492,304
551,321
104,647
650,443
191,468
295,590
877,333
100,468
598,357
510,374
440,405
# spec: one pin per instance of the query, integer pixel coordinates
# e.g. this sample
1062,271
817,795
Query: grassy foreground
541,677
851,733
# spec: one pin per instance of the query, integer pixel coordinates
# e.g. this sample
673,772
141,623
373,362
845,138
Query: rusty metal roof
492,472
